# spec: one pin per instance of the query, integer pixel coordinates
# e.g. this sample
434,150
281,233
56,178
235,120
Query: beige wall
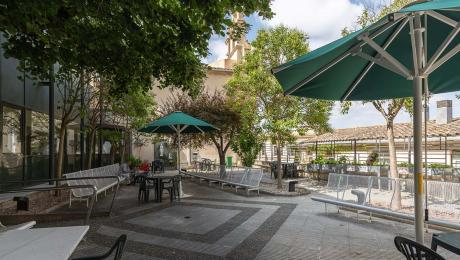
216,78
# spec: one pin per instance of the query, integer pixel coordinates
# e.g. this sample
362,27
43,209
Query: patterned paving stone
225,225
188,219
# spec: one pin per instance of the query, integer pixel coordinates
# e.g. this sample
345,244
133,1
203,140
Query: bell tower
237,48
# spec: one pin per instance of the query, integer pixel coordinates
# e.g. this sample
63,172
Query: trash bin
292,185
229,161
22,203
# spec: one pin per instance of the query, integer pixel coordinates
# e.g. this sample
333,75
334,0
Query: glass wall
72,149
37,149
11,157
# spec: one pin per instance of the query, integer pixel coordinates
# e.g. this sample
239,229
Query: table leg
160,190
434,244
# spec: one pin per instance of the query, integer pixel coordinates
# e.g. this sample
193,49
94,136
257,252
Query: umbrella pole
179,130
417,128
178,149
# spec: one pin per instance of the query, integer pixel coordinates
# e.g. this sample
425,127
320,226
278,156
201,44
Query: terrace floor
215,224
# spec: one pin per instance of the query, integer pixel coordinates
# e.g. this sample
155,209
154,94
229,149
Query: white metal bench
247,178
102,178
251,181
22,226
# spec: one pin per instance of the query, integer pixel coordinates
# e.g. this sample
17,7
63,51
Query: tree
128,112
70,85
247,144
215,109
388,108
280,116
130,43
94,96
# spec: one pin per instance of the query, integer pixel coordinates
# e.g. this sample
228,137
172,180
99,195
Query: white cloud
323,20
217,49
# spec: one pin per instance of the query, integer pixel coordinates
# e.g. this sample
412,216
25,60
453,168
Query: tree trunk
222,158
113,152
60,155
221,164
279,167
396,203
90,146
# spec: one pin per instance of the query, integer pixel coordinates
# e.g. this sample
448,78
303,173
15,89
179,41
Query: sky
323,21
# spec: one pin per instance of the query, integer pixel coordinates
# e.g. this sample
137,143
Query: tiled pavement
215,224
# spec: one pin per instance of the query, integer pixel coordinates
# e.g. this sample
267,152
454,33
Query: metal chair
117,247
145,185
172,186
415,251
158,166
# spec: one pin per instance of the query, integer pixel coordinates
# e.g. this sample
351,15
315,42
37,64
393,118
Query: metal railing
443,198
66,187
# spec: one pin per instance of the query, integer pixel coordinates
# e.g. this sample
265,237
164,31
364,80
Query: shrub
134,162
342,159
439,166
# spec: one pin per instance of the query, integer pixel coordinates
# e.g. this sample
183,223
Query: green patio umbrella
402,55
178,123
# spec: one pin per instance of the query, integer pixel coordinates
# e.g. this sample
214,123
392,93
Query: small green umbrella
178,123
404,54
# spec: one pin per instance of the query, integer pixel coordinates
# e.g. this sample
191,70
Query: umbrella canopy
351,68
401,55
169,124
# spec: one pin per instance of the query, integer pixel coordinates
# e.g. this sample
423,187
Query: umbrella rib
199,129
339,58
370,64
380,62
442,18
443,47
443,59
387,56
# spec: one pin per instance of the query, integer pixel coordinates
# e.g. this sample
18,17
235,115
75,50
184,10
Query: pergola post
354,151
445,150
316,150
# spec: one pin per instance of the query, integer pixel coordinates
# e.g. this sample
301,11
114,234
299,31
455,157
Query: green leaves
259,97
132,44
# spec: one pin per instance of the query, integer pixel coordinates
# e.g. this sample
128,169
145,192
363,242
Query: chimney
444,112
426,115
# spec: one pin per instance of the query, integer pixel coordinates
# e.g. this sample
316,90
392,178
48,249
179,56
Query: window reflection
38,133
11,136
11,158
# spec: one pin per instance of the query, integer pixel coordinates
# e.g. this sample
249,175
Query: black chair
145,185
158,166
117,247
415,251
172,186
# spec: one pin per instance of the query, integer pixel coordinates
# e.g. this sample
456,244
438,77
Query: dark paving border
210,237
248,249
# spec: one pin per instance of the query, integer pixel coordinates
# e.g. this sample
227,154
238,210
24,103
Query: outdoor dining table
449,241
41,243
158,178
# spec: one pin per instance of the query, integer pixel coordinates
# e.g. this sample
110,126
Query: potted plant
134,162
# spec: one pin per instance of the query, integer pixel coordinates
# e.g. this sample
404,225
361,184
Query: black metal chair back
117,248
415,251
158,166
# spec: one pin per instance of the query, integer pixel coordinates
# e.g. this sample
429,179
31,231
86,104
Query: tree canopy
279,116
131,43
213,108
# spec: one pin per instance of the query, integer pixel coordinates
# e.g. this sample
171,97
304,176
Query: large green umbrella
178,123
401,55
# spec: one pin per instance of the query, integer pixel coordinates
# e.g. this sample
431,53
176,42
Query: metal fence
443,198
